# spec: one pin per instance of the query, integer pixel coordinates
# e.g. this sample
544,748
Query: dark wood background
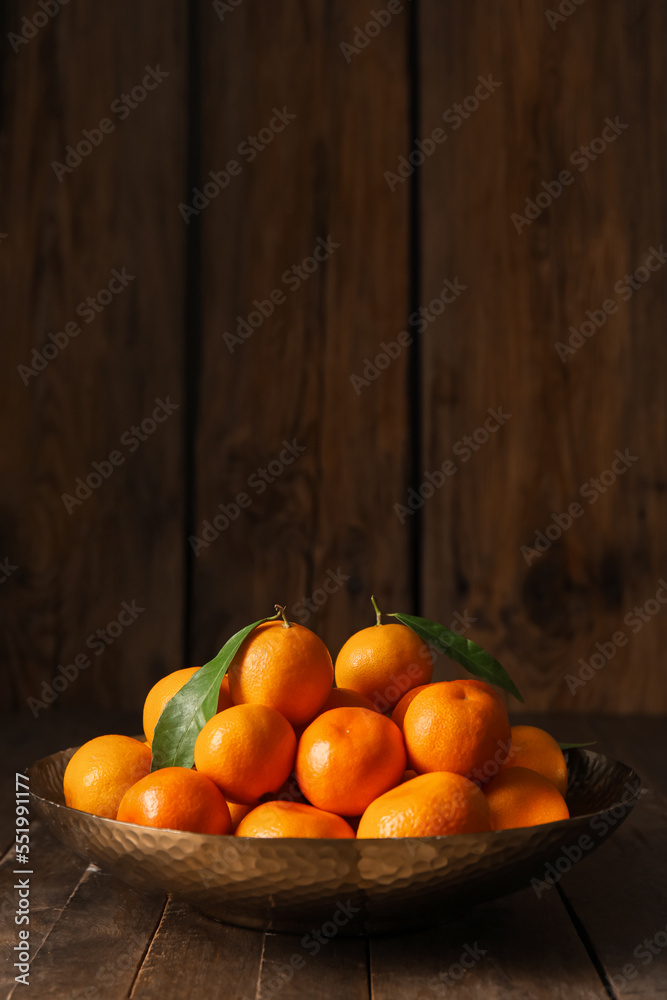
331,513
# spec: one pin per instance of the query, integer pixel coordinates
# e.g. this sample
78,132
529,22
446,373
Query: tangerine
101,771
176,798
457,726
398,715
347,757
247,750
427,806
165,689
237,810
284,666
537,750
382,662
520,797
346,698
292,819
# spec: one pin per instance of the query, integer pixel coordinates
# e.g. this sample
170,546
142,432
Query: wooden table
603,925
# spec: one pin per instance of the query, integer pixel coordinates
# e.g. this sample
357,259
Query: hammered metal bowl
362,886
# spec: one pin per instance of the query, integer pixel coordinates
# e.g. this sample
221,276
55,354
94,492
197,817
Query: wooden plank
517,946
57,872
71,230
640,742
98,942
191,952
625,876
319,965
628,875
328,517
495,345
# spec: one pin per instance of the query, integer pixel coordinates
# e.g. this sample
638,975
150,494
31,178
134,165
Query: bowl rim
631,776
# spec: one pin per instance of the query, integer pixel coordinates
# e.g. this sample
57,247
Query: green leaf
471,656
185,715
575,746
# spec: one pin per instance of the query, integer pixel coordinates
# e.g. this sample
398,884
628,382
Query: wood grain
618,892
214,953
314,965
330,510
638,742
57,873
535,947
498,950
495,345
115,210
101,955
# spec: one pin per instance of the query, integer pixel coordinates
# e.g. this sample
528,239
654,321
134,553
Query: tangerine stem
378,613
283,611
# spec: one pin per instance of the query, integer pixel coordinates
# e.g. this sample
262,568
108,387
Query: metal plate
361,886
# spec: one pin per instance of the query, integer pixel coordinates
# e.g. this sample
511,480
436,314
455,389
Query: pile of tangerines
384,753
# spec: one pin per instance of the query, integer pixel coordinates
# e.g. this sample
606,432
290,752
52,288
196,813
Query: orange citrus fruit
457,726
225,696
427,806
237,810
483,686
346,698
537,750
286,668
520,797
176,798
383,662
347,757
248,750
164,691
292,819
101,771
398,715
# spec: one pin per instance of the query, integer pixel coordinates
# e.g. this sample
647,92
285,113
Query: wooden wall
335,508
